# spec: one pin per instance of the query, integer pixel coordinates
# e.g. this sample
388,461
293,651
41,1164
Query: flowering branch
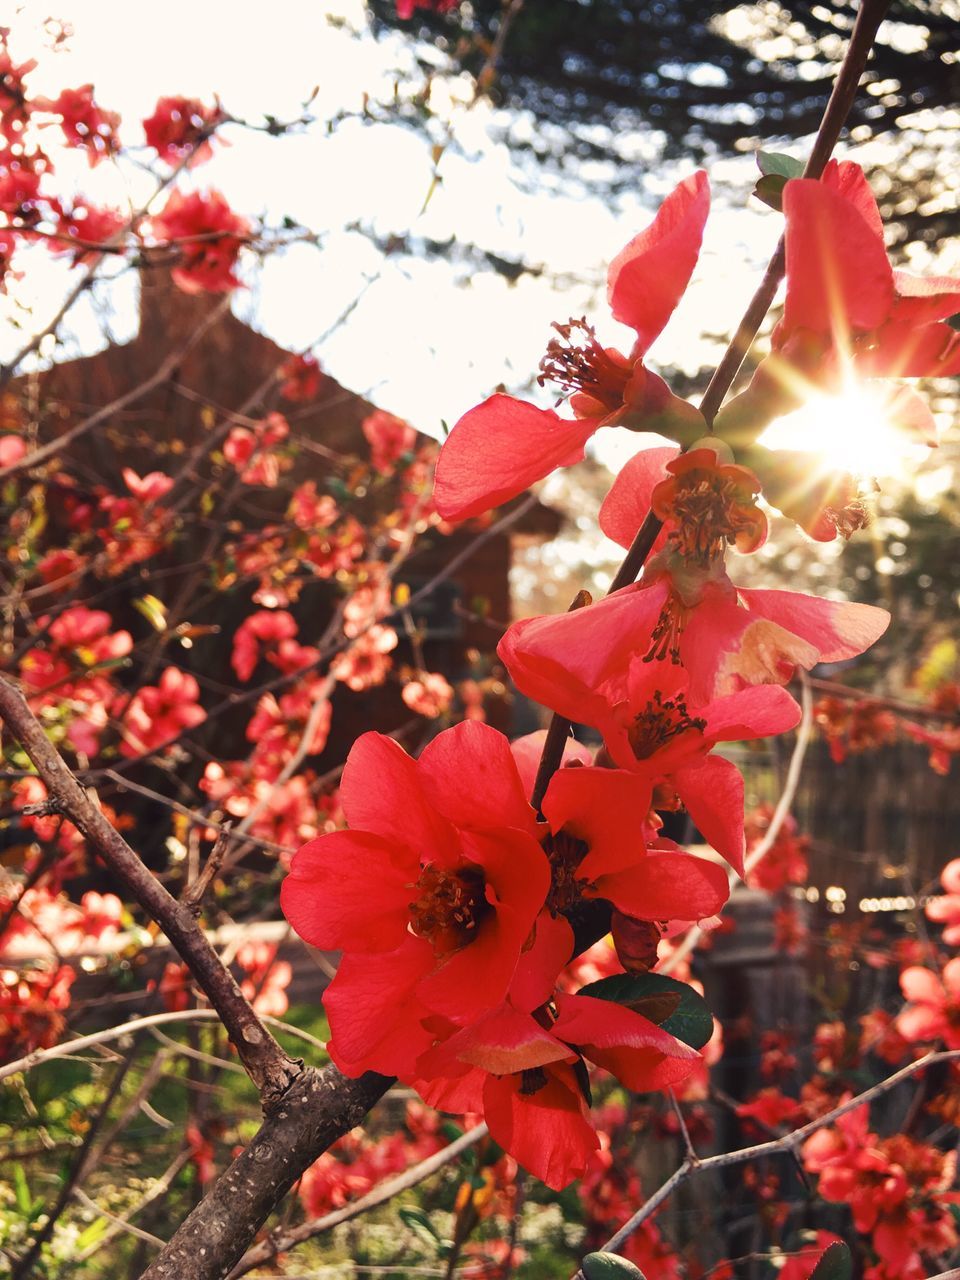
787,1144
869,17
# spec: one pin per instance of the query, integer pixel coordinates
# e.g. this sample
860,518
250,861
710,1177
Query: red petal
905,351
712,793
548,1132
666,886
626,506
647,278
838,628
375,1017
921,301
507,1041
848,180
640,1054
538,968
498,450
380,792
350,891
528,750
457,1094
838,278
476,977
468,774
576,663
762,711
607,809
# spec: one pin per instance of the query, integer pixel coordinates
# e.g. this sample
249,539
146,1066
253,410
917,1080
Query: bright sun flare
847,432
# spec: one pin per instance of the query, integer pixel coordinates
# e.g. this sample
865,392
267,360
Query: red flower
785,862
943,743
209,237
846,310
726,638
301,377
14,106
502,446
405,8
87,223
84,124
526,1074
251,452
934,1010
598,818
264,627
180,125
389,439
137,526
429,695
431,894
946,909
157,714
602,843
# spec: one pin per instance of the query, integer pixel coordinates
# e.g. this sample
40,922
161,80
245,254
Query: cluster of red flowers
40,928
865,724
898,1191
785,862
197,231
451,896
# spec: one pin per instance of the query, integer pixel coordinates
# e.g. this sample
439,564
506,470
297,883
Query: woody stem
869,17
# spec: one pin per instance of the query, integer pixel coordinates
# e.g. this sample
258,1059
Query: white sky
427,340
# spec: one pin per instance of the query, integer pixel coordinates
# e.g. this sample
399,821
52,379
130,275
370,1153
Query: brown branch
268,1066
317,1109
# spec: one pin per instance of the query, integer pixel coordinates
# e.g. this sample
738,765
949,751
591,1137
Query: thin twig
787,1144
281,1241
71,1047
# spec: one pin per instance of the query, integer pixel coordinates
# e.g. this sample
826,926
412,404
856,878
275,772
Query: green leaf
90,1235
835,1263
421,1226
21,1190
609,1266
769,191
775,162
673,1005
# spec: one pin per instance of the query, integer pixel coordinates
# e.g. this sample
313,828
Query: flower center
849,518
450,908
566,853
532,1080
576,362
709,510
661,720
665,639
